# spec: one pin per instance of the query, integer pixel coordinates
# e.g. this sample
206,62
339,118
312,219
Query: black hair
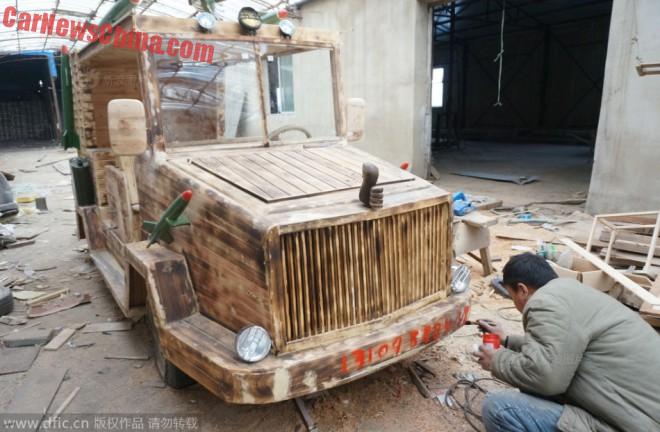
529,269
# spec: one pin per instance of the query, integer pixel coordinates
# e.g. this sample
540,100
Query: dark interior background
26,108
552,77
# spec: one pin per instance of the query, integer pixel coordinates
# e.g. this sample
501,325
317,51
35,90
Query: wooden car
275,280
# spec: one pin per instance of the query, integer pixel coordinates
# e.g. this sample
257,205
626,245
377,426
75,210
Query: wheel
171,375
6,301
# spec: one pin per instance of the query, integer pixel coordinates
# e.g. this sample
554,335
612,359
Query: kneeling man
585,363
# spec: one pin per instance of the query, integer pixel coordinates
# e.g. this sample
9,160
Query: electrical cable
471,390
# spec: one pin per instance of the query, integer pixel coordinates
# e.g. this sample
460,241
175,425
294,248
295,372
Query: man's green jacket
585,349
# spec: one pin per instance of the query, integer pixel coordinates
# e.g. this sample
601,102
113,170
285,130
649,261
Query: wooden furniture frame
619,277
277,238
609,221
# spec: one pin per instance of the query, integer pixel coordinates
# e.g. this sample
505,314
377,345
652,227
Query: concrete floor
385,401
564,170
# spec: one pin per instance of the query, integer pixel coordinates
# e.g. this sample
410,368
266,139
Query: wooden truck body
277,237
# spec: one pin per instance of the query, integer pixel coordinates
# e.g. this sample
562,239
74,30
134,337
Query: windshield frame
263,140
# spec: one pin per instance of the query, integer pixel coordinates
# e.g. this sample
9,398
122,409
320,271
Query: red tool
492,340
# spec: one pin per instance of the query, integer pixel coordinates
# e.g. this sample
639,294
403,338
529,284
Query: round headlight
249,19
287,28
206,21
252,344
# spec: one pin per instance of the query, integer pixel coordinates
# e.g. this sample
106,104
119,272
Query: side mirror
127,126
355,114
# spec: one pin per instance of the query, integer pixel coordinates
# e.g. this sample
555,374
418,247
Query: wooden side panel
174,288
223,247
120,205
166,275
93,227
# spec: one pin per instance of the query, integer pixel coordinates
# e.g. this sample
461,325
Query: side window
280,79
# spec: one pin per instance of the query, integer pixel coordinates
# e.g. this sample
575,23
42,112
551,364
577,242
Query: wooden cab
277,236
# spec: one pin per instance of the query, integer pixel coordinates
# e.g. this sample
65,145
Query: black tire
6,301
171,375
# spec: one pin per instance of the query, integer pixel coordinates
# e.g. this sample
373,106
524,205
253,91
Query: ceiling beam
90,18
57,6
18,35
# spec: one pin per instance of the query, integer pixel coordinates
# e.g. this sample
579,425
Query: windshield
220,102
299,90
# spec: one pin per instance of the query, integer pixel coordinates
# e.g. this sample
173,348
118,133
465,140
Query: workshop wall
386,61
627,159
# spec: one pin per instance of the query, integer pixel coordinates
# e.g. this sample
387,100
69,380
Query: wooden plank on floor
60,339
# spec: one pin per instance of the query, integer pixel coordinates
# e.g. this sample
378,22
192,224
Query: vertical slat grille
340,276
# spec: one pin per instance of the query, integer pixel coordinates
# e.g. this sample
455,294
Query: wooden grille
339,276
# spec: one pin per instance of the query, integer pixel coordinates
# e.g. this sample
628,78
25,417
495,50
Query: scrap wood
478,220
65,173
418,371
28,401
648,312
59,340
19,244
483,202
26,295
47,296
574,201
127,357
614,274
629,242
52,162
108,326
65,403
517,179
30,236
523,233
306,415
629,258
609,221
58,305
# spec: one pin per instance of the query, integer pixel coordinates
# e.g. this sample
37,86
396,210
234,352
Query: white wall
626,175
386,61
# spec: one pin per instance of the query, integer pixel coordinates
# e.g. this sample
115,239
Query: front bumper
204,350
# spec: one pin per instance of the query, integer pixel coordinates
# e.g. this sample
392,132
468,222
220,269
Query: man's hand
485,357
492,327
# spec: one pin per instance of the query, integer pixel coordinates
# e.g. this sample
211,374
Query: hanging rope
500,57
